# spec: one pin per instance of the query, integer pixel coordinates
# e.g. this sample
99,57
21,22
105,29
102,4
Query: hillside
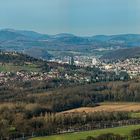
122,54
56,45
33,92
21,74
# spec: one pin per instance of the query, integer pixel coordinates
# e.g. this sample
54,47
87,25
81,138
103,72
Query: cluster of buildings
23,76
83,61
131,66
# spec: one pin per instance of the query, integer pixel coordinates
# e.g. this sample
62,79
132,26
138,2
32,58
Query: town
129,65
71,69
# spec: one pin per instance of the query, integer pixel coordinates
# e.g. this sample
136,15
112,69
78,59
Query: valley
51,91
69,70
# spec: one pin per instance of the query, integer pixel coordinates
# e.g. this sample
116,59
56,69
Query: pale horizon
78,17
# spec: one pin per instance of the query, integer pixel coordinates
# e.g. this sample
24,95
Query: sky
80,17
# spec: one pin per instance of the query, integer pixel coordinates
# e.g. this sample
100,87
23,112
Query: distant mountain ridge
22,40
60,35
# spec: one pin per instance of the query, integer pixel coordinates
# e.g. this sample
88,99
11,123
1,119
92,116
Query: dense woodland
73,97
89,95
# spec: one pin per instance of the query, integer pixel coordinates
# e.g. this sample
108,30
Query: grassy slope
81,135
13,68
135,115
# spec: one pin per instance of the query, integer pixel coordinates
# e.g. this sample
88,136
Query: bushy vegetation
134,135
108,136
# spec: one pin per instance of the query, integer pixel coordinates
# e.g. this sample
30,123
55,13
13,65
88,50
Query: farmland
108,107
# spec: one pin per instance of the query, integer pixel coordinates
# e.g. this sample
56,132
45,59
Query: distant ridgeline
45,46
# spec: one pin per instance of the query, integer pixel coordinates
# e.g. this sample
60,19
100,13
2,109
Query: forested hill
15,57
47,46
122,54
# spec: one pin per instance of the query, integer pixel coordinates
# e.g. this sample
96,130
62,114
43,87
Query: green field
14,68
81,135
135,115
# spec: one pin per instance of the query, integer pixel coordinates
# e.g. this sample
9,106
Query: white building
94,61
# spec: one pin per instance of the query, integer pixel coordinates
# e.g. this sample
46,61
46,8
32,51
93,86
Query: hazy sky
81,17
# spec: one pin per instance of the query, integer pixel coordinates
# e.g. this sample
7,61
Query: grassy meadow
9,67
